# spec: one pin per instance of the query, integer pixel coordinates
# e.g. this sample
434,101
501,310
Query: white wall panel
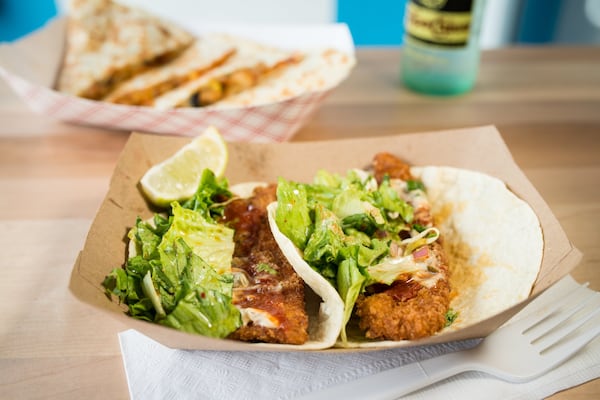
253,11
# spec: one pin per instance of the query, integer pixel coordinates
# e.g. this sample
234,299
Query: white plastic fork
517,352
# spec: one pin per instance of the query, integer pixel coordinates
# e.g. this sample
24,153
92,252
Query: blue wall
373,22
18,18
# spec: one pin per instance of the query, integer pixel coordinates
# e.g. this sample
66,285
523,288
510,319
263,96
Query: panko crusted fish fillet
267,290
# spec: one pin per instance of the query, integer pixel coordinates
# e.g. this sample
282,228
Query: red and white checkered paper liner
274,122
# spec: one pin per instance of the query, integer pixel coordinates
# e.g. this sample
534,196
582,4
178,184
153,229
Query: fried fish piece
267,290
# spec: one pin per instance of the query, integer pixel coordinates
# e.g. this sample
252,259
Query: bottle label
441,22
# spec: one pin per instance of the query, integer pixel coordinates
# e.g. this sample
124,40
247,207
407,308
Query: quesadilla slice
107,43
319,70
251,64
208,52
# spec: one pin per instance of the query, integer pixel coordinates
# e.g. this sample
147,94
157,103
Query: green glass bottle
440,55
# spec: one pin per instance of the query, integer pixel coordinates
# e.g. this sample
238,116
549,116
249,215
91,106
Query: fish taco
411,251
209,265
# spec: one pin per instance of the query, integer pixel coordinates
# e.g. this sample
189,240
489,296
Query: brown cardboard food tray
105,247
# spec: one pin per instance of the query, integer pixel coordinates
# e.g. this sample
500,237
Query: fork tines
563,321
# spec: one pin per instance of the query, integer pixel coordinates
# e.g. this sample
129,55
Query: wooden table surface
53,176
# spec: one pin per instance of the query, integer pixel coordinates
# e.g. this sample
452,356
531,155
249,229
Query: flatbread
125,55
107,43
492,238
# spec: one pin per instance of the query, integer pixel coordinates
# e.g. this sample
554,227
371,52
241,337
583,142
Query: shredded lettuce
327,238
207,200
389,200
349,284
202,298
388,270
292,214
211,241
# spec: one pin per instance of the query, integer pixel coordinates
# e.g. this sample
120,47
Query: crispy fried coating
405,310
388,164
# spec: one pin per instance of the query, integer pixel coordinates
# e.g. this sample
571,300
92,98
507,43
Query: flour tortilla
493,234
107,43
493,241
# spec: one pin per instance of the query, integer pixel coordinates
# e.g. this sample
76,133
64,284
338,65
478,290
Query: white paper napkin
157,372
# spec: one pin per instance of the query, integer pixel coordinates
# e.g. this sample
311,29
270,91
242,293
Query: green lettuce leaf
206,312
211,241
388,199
203,299
349,285
375,251
349,202
327,238
327,179
293,215
208,199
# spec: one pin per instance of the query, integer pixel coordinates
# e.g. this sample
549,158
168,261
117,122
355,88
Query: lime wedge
177,177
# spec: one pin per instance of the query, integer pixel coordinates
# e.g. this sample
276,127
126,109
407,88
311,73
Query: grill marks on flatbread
108,43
